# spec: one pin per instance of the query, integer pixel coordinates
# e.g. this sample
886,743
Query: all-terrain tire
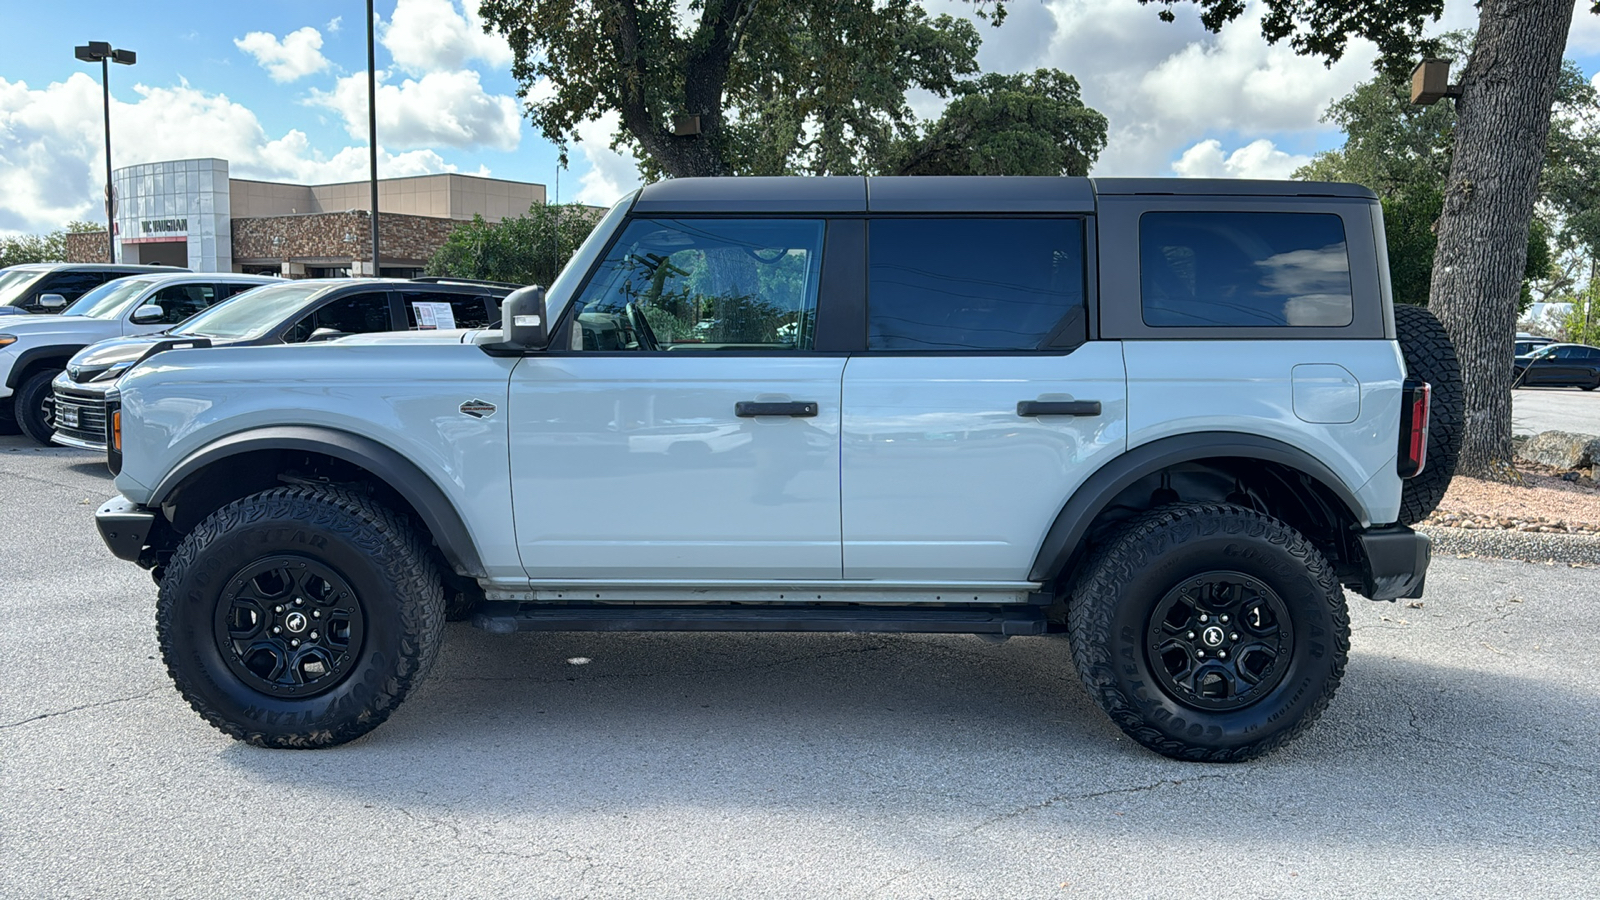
1153,572
1431,356
352,554
28,406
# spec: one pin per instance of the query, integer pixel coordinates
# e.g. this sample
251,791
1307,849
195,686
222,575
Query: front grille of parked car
91,418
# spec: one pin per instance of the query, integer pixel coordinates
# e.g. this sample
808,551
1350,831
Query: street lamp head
125,57
94,51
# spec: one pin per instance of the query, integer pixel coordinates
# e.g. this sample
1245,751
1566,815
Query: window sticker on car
432,315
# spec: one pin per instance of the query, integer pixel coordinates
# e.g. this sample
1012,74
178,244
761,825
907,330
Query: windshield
15,284
572,273
109,300
262,309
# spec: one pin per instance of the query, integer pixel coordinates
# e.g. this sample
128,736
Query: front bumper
124,526
1395,563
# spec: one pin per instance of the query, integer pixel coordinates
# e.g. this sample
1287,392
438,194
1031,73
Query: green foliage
528,249
789,87
1324,27
37,248
1581,324
1402,152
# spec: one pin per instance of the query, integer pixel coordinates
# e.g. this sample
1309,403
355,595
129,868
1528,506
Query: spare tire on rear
1430,356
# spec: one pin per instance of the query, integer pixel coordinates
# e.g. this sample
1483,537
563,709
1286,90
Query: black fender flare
408,479
1096,493
30,356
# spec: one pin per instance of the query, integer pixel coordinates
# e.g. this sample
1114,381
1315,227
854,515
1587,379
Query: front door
683,428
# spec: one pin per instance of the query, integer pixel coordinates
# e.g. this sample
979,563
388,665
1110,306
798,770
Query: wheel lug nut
277,630
1234,636
1222,654
294,643
1191,635
313,635
298,602
277,609
1200,653
1224,620
316,614
1204,617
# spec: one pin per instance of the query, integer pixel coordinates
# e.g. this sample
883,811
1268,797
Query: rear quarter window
1244,269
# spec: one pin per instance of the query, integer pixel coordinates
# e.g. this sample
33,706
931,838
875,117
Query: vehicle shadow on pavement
942,725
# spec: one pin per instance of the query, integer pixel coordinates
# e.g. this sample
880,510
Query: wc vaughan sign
164,226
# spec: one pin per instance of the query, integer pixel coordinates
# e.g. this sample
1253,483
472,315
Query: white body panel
1184,387
943,480
634,466
406,398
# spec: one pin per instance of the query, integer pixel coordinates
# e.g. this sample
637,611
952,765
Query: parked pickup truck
1171,420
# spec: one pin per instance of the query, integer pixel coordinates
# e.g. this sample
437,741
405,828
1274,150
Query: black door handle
800,409
1058,407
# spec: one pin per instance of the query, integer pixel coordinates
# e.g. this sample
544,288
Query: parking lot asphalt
1555,409
1459,758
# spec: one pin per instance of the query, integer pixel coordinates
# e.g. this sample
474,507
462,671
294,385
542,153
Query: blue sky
278,88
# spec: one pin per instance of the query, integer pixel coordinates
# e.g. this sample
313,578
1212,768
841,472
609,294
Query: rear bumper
124,526
1395,563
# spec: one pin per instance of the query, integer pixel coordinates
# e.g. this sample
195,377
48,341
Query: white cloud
441,108
299,53
51,153
611,174
1258,159
334,24
1584,38
432,35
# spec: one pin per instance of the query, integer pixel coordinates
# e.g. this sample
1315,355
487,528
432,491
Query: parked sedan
291,312
1559,365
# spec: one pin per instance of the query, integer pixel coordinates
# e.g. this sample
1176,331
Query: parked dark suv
51,287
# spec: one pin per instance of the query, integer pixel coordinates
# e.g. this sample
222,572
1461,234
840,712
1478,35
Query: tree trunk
1503,117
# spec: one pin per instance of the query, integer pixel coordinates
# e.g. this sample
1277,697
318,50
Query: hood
98,360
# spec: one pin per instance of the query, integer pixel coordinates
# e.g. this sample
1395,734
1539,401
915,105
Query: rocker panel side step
507,618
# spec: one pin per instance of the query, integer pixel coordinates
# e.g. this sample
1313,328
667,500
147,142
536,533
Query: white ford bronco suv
1172,420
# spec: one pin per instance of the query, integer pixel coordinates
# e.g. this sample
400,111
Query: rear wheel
1209,632
29,406
299,617
1430,356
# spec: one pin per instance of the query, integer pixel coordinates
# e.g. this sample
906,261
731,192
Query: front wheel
299,617
1209,632
29,406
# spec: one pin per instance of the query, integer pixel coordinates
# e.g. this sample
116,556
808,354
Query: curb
1498,543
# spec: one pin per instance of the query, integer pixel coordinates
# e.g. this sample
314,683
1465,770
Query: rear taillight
1413,452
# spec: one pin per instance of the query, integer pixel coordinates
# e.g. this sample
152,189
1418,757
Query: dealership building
190,213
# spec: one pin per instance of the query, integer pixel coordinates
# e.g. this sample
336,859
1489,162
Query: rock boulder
1561,449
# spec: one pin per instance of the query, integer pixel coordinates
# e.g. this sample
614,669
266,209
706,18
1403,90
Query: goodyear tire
1429,355
299,617
1209,632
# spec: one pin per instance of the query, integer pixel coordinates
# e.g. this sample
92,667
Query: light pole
372,134
101,52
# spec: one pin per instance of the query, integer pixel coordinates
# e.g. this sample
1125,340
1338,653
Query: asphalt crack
1091,795
79,708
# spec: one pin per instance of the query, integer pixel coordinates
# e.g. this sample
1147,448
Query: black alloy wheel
1208,632
289,626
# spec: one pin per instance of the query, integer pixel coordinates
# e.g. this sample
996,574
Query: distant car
1558,365
285,312
1526,345
34,349
44,288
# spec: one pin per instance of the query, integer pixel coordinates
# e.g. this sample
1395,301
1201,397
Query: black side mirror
522,317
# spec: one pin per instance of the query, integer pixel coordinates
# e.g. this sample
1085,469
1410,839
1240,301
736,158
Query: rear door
979,405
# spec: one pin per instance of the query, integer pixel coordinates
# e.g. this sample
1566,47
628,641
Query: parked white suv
1170,419
35,348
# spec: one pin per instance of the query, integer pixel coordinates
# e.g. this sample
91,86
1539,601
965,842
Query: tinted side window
688,284
430,310
70,285
360,314
971,284
1244,269
180,301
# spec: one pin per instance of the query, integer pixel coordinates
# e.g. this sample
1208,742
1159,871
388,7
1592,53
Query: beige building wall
447,196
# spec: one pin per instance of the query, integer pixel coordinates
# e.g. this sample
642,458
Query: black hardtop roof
960,193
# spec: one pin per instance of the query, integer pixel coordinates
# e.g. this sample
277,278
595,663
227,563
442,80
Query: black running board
507,618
